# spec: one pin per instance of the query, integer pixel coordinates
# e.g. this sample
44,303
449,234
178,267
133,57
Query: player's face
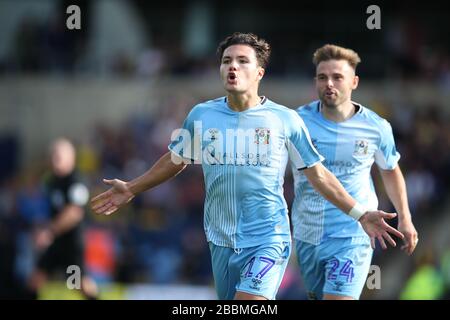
239,69
62,159
335,80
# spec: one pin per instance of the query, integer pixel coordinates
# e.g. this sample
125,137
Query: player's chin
330,101
233,89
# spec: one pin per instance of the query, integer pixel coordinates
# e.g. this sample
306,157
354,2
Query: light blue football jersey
243,157
350,148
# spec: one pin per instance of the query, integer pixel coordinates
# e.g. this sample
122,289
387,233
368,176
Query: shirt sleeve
387,156
302,153
185,141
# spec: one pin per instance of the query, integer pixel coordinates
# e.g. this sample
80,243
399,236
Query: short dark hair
261,47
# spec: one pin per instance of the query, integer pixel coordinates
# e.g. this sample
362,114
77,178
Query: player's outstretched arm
372,221
122,192
395,186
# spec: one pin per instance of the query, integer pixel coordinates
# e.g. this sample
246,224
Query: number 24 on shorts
346,270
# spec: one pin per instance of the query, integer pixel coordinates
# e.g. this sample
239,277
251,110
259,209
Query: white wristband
357,211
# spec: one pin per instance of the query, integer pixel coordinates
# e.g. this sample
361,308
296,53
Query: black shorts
60,255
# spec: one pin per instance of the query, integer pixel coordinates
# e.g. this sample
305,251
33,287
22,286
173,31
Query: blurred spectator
445,269
420,184
100,254
426,282
10,286
9,156
58,46
26,50
33,210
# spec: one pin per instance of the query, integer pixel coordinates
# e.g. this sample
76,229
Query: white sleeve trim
295,156
380,160
178,159
297,159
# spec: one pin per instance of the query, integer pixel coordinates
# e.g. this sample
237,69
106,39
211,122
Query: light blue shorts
337,266
255,270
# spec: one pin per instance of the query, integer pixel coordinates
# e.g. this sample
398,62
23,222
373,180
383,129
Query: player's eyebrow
333,74
238,57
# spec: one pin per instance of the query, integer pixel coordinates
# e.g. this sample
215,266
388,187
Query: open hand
374,225
114,198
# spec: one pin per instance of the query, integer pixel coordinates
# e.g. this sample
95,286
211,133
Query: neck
242,102
338,113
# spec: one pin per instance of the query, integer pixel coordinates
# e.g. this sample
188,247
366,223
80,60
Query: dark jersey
67,249
63,191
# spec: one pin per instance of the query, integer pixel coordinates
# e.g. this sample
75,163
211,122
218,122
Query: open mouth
232,77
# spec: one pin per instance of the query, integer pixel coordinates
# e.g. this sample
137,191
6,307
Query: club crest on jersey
212,134
361,147
262,136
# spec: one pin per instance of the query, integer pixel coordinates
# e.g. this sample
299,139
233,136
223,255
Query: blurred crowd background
120,85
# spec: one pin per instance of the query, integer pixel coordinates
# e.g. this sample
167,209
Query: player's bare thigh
327,296
247,296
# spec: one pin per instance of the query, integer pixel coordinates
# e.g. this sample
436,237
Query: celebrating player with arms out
243,142
333,250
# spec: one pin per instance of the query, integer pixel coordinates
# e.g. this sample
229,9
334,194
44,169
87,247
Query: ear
355,82
261,72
